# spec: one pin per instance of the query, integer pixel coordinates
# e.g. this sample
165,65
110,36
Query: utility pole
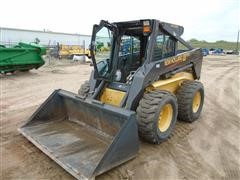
84,58
237,52
1,38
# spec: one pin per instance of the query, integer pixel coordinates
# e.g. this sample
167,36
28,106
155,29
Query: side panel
112,96
171,84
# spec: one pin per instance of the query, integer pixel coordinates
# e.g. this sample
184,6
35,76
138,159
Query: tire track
230,167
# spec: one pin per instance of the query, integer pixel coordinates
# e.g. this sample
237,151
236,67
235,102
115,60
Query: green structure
22,57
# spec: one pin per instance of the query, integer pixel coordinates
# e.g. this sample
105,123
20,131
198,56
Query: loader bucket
85,137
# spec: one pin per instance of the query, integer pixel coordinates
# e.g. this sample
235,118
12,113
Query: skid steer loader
141,84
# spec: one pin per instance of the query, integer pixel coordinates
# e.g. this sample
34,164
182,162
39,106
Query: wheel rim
165,117
196,102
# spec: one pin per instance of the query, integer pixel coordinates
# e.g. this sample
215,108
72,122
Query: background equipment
68,51
21,57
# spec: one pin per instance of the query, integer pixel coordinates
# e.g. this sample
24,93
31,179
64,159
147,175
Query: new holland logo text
180,58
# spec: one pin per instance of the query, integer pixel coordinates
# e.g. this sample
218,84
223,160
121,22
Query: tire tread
146,113
185,96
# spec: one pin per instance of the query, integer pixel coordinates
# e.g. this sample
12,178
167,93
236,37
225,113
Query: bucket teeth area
72,144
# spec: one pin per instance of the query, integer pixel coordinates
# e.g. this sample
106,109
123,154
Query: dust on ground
206,149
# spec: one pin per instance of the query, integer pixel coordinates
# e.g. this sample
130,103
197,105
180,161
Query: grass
218,44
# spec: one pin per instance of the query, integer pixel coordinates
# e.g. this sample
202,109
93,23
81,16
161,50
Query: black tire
185,96
84,89
148,114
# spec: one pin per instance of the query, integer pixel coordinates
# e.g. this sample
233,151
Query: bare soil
206,149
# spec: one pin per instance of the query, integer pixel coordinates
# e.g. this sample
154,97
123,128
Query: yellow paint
196,102
68,50
165,117
171,84
112,96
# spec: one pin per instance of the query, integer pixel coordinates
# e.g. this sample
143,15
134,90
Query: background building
10,36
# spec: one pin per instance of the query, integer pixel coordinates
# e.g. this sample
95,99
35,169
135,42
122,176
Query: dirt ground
206,149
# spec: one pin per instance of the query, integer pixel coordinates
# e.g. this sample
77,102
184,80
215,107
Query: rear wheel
190,100
156,116
84,89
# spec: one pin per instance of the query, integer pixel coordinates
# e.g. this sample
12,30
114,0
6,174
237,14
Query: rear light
146,27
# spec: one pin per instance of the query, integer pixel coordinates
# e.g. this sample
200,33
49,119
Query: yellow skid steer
141,84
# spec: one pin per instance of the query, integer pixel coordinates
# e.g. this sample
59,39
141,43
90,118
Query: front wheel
84,89
156,116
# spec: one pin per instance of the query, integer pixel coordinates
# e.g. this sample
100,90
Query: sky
209,20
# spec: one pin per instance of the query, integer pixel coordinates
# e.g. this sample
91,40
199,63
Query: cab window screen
164,47
158,47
